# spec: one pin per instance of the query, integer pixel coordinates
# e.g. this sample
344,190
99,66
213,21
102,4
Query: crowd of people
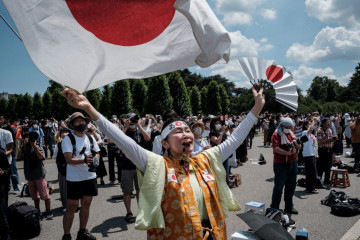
191,155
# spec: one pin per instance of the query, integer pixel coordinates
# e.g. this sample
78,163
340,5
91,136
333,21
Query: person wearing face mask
200,143
285,166
182,197
81,183
325,150
206,132
134,130
36,128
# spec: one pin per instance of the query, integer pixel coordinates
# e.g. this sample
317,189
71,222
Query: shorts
77,190
128,179
38,189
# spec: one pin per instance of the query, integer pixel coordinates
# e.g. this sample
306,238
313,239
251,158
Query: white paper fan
263,69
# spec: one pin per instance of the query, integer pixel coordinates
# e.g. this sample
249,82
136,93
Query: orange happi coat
182,218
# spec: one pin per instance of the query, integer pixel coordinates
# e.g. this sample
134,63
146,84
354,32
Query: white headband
171,127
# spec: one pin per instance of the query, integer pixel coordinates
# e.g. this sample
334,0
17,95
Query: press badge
208,177
172,178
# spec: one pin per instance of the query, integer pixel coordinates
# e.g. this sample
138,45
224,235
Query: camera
95,162
296,142
33,136
333,138
134,119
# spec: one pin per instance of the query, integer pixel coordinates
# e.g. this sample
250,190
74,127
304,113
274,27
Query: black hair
305,123
169,114
212,124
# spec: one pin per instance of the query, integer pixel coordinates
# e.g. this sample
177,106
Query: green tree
354,84
37,108
195,99
3,107
213,99
158,99
204,93
121,100
61,109
12,107
225,102
324,89
54,85
179,93
139,91
105,105
47,103
94,96
27,105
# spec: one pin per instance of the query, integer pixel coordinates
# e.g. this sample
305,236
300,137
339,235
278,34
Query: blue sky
310,38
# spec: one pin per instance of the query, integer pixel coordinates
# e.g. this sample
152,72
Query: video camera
33,136
134,119
296,142
95,162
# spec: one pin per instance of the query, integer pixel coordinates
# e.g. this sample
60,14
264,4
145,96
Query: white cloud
225,6
269,14
329,44
344,12
236,18
304,75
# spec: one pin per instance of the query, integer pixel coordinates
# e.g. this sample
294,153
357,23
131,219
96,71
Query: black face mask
80,128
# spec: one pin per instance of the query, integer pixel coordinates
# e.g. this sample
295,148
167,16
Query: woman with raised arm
181,197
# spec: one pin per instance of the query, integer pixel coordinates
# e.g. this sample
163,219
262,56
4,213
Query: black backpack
60,158
24,221
345,209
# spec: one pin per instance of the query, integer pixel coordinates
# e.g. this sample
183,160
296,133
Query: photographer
325,150
285,165
80,176
35,172
134,130
355,139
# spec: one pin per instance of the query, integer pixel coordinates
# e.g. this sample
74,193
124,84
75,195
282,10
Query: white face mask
331,118
286,130
218,126
197,130
132,126
35,126
207,124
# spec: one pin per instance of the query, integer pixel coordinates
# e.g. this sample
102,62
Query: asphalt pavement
107,216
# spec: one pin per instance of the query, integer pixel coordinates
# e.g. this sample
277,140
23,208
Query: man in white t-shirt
6,143
81,182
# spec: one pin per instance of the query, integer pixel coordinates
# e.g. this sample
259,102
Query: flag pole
10,27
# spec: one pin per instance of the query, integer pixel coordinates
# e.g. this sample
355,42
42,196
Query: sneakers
85,235
48,215
291,222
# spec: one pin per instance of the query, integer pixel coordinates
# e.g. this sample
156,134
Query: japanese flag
86,44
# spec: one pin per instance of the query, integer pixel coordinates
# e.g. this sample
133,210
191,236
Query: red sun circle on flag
123,22
173,177
208,177
274,73
178,124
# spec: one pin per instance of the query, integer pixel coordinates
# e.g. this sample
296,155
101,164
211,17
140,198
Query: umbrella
264,227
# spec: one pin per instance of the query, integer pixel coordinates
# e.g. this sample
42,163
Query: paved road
107,219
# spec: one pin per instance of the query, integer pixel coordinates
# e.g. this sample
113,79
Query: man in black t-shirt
134,130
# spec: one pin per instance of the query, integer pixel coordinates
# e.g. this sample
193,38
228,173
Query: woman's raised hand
259,101
77,100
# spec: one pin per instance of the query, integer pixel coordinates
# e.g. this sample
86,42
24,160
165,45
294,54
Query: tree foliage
121,100
139,92
94,96
179,93
158,99
38,107
195,99
213,99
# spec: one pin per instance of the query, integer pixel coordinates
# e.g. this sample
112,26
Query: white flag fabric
90,43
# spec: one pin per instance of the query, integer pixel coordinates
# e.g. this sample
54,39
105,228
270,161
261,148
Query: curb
353,233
